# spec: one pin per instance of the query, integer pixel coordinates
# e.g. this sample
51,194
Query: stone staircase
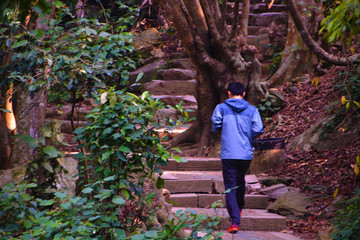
197,184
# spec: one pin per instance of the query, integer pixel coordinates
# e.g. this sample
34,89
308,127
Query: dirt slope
306,104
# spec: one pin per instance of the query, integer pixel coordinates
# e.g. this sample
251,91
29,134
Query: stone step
182,63
176,74
174,87
66,126
262,19
193,181
258,235
64,112
188,101
174,114
201,182
259,7
199,200
251,220
194,164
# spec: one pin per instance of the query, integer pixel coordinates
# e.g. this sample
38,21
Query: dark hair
236,88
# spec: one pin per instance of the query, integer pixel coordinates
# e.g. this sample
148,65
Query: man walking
240,124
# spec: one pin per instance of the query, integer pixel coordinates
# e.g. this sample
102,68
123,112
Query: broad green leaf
28,223
65,205
126,193
179,159
358,159
51,151
47,166
30,140
60,195
138,237
139,76
87,190
111,178
357,103
118,200
160,183
133,95
145,95
88,69
112,100
151,234
47,202
19,44
104,34
8,42
124,149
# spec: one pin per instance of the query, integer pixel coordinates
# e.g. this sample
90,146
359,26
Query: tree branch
235,20
309,41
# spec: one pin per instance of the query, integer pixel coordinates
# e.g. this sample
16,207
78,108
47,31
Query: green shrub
347,221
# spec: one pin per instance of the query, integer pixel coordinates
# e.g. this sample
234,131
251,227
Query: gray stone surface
149,71
189,101
175,87
184,63
193,164
313,138
252,219
176,74
185,199
265,19
293,202
275,191
257,235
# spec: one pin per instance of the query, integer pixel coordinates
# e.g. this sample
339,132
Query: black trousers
234,180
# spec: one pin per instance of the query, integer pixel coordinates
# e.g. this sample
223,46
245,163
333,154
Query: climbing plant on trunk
220,55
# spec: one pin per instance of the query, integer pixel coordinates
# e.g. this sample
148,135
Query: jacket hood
238,105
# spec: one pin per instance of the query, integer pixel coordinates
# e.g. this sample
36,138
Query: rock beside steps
198,183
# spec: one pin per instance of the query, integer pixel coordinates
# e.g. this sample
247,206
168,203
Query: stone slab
251,178
195,164
189,186
258,235
176,74
251,220
219,186
206,200
174,87
251,201
185,199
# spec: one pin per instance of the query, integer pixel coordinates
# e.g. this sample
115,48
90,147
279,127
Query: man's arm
216,119
257,126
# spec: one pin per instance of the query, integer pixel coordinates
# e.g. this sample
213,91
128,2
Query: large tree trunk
220,56
297,57
25,117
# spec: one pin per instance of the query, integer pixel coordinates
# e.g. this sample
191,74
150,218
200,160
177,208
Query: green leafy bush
346,223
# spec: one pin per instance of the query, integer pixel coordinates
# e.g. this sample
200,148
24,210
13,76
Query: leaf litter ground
306,104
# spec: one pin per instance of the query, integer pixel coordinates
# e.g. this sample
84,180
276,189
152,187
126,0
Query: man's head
236,89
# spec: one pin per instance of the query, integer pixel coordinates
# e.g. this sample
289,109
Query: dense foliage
347,221
118,197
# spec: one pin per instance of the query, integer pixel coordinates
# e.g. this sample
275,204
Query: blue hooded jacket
240,123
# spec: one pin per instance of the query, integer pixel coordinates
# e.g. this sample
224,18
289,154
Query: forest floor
306,104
